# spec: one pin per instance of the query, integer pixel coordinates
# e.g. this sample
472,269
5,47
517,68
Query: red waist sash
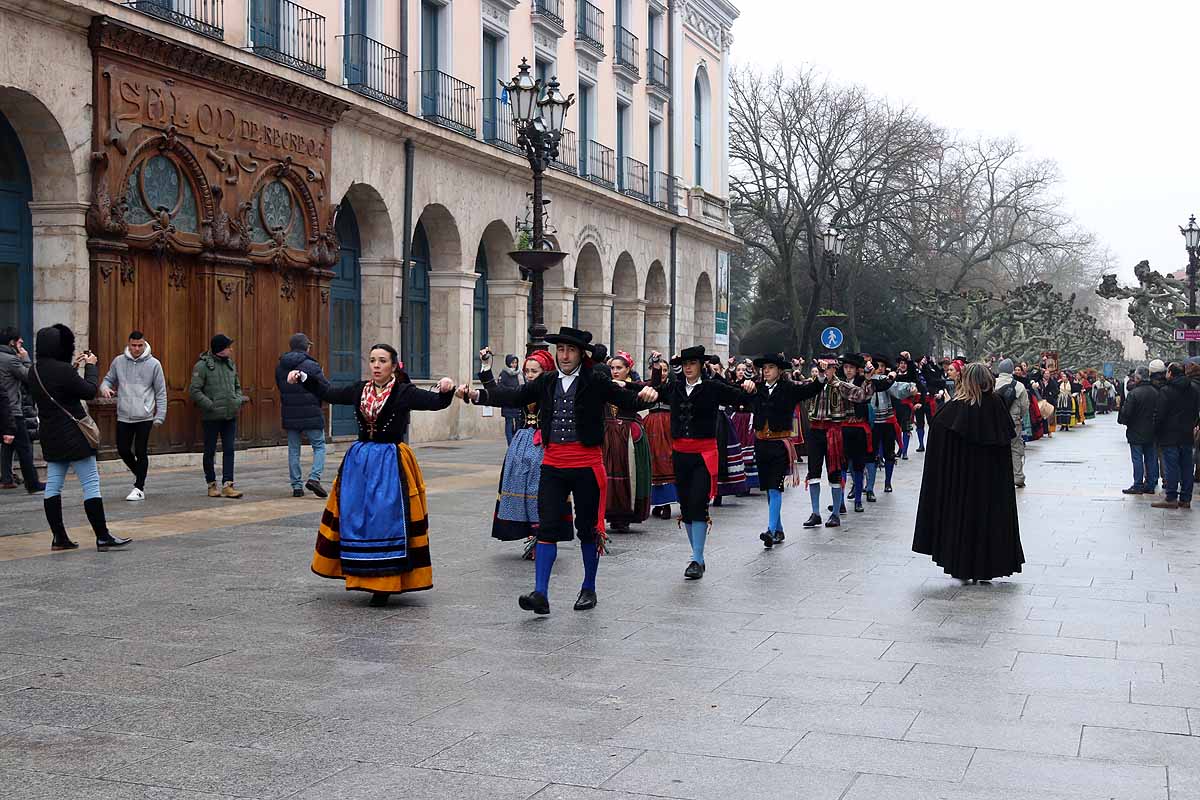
579,456
834,449
707,450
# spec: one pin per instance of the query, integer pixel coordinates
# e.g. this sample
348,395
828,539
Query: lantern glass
1191,234
554,107
841,244
523,93
830,239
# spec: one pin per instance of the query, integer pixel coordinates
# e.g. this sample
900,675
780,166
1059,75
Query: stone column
658,329
61,282
508,319
381,302
629,322
451,307
595,313
679,90
557,303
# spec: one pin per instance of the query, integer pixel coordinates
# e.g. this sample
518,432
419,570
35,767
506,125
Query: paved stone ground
208,662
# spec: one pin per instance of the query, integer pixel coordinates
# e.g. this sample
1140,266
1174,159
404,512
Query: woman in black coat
967,514
60,395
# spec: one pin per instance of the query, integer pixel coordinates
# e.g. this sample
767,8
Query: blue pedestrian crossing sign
831,338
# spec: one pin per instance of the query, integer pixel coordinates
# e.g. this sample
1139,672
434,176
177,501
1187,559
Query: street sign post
1187,334
832,338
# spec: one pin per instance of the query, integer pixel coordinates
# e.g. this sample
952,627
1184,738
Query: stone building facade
348,168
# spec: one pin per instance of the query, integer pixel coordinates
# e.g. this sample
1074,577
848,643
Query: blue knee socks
543,563
888,468
838,493
591,563
698,534
774,510
904,442
871,470
814,495
856,485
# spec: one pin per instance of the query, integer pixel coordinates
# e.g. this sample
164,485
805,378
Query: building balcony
497,125
708,208
658,74
625,53
205,17
447,101
589,30
373,70
568,153
548,15
288,34
660,190
635,179
598,165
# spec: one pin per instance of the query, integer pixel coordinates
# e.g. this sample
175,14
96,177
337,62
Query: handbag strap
46,391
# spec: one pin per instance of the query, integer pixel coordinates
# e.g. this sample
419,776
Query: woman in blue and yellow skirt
374,533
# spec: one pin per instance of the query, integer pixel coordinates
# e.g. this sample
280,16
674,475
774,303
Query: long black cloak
967,514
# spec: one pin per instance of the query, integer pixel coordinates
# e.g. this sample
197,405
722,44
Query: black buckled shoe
1135,489
858,507
63,544
779,537
694,571
585,602
813,521
767,539
536,602
921,449
870,497
378,599
834,522
887,489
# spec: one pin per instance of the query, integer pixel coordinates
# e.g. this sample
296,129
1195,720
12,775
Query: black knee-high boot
95,515
53,508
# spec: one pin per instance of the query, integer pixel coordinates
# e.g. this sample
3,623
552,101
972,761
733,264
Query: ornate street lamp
539,114
1191,241
834,242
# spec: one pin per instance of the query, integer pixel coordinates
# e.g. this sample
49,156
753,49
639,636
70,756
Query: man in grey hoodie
1014,394
136,378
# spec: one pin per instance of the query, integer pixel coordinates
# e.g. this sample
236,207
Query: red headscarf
621,354
543,358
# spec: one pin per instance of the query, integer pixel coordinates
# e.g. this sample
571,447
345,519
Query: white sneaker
136,494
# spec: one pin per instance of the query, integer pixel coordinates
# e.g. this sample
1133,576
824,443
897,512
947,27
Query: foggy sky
1108,90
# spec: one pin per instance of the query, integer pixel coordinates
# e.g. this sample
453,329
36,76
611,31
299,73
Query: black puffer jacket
1178,410
61,438
299,408
1137,413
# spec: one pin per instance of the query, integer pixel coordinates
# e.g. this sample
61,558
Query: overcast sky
1108,90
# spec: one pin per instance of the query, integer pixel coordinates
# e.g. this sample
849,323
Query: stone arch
450,282
445,244
704,312
375,229
501,297
627,328
658,311
58,286
592,303
700,149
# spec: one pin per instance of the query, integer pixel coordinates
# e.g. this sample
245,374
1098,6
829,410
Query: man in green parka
217,391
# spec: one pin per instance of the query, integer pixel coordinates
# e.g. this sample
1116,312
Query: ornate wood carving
287,287
177,276
127,270
324,297
227,288
106,270
104,217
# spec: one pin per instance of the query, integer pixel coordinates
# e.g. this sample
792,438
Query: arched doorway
416,312
704,313
345,316
479,308
16,242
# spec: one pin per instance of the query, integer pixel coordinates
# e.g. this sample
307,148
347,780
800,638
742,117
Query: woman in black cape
967,515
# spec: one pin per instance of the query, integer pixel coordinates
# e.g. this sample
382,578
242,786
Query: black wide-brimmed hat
854,360
714,359
778,359
880,358
572,336
689,354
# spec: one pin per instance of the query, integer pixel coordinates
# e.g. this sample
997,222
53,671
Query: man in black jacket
570,405
301,413
1174,426
1137,415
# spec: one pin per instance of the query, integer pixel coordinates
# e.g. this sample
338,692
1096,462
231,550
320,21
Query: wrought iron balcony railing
599,165
289,34
568,153
447,101
626,46
635,179
497,124
660,190
658,69
206,17
551,10
589,25
373,70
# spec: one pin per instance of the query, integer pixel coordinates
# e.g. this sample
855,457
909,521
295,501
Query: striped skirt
662,469
743,426
393,490
731,475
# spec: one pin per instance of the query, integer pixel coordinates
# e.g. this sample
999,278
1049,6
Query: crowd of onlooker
1161,415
